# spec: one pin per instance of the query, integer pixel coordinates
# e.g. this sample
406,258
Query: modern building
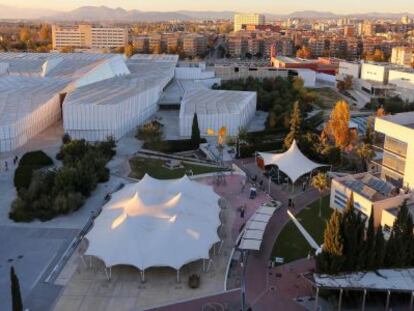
216,109
34,86
403,56
390,181
88,36
241,20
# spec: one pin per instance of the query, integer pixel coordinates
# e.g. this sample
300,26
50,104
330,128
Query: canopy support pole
220,247
143,276
310,177
106,273
209,264
293,186
204,265
178,276
364,299
83,260
412,301
214,249
110,272
341,291
315,305
387,304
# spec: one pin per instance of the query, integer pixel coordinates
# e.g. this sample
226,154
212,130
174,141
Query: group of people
6,163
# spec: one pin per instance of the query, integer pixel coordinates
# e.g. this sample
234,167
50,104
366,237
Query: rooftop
369,186
405,119
206,101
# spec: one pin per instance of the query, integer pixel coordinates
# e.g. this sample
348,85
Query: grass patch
155,168
327,97
290,244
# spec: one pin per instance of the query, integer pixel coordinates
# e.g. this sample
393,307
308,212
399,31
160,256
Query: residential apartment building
317,46
195,44
237,45
390,181
403,56
241,20
88,36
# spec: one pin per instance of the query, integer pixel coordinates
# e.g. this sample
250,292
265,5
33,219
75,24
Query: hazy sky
271,6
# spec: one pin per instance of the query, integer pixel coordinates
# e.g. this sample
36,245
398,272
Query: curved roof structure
156,223
292,162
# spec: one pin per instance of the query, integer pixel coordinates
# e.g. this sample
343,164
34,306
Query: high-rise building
317,46
402,56
88,36
247,19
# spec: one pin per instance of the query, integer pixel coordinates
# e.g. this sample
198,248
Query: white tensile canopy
156,223
292,162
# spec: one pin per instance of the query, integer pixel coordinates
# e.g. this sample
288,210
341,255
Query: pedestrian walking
6,166
242,210
243,185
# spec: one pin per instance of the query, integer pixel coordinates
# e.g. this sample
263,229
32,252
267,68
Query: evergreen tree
295,126
400,241
17,304
379,249
195,132
330,260
353,230
370,244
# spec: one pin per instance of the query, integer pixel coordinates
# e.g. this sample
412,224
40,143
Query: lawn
155,168
290,244
328,97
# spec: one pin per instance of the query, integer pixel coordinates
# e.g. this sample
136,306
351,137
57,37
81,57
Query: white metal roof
383,279
292,162
206,101
156,223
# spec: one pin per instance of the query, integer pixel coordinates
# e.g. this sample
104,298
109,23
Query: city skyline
263,6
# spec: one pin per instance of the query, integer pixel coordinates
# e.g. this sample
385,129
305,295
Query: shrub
150,131
194,281
172,146
30,162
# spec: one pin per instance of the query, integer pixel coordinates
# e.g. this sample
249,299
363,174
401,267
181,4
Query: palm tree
320,182
365,153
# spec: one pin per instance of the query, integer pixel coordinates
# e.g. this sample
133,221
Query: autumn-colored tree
44,32
295,126
331,258
377,56
25,34
129,50
380,112
304,52
338,125
345,84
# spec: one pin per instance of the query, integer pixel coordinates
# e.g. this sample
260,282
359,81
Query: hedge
30,162
172,146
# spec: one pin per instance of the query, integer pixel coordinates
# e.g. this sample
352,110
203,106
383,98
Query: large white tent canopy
292,162
156,223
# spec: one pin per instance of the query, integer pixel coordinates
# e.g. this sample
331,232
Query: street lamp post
243,281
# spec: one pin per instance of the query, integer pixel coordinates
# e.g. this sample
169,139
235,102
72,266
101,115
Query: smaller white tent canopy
292,162
156,223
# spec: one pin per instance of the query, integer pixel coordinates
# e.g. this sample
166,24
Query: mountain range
103,13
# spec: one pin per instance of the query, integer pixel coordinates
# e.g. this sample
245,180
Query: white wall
349,69
373,72
193,73
323,77
402,79
18,133
308,76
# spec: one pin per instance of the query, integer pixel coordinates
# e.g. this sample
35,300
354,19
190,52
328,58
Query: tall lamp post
243,280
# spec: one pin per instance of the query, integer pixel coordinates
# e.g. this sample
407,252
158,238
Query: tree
352,230
304,52
365,153
17,304
24,34
320,182
369,245
295,126
379,248
345,84
150,132
400,241
338,125
195,132
129,50
44,32
377,56
330,260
